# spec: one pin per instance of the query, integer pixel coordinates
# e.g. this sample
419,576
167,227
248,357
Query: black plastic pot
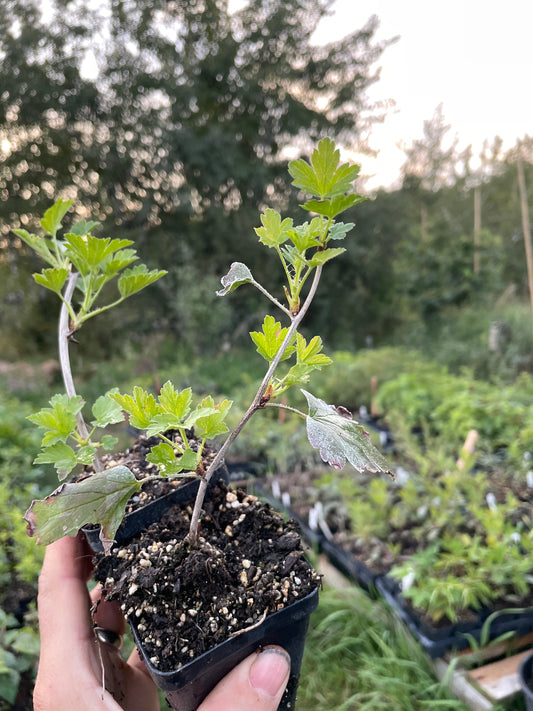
525,674
141,518
187,687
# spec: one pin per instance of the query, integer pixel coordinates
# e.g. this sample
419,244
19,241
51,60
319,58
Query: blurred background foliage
172,123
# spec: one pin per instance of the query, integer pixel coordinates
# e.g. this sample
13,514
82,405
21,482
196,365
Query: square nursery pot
525,674
187,687
260,544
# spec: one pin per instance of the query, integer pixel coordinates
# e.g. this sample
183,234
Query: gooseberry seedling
81,264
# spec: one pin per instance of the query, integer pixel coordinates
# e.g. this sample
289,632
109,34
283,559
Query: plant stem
255,405
64,359
281,406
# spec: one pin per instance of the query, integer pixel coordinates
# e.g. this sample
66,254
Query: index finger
63,600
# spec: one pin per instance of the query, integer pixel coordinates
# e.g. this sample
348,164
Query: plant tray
347,564
437,641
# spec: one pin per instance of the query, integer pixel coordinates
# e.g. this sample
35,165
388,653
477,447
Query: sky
473,56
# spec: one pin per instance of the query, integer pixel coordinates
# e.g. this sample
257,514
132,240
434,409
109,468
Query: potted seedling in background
220,570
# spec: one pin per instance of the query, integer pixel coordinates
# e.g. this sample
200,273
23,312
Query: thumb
256,684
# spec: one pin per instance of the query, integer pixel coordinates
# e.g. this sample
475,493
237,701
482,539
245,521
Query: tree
189,108
172,119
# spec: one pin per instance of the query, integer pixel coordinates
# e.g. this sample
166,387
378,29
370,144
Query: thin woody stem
257,403
64,359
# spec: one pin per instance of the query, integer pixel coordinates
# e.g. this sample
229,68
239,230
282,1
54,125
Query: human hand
76,671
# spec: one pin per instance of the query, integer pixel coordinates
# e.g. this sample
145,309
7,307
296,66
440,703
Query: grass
359,657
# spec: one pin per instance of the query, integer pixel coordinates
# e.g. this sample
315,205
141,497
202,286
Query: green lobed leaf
119,261
212,425
238,274
106,411
88,252
38,244
53,278
168,463
307,235
83,228
99,499
340,229
324,177
310,353
273,232
333,206
137,278
52,219
61,456
140,406
199,411
109,442
175,402
269,341
324,256
59,420
162,421
339,438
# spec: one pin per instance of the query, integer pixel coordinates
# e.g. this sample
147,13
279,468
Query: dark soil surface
183,600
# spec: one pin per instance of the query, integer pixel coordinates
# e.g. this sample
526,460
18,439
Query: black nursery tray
349,566
437,641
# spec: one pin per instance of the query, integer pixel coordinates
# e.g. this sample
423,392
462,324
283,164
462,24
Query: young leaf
324,256
141,407
309,353
59,420
100,498
334,206
137,278
106,411
88,252
307,235
340,229
61,456
212,425
120,260
339,438
308,358
238,274
269,341
53,279
168,464
83,228
174,402
273,232
109,442
38,244
324,177
51,222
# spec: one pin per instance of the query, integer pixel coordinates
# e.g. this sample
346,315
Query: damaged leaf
238,274
100,498
340,439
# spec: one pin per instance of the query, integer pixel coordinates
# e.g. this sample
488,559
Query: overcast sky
473,56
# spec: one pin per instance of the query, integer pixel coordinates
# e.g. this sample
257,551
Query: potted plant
165,572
